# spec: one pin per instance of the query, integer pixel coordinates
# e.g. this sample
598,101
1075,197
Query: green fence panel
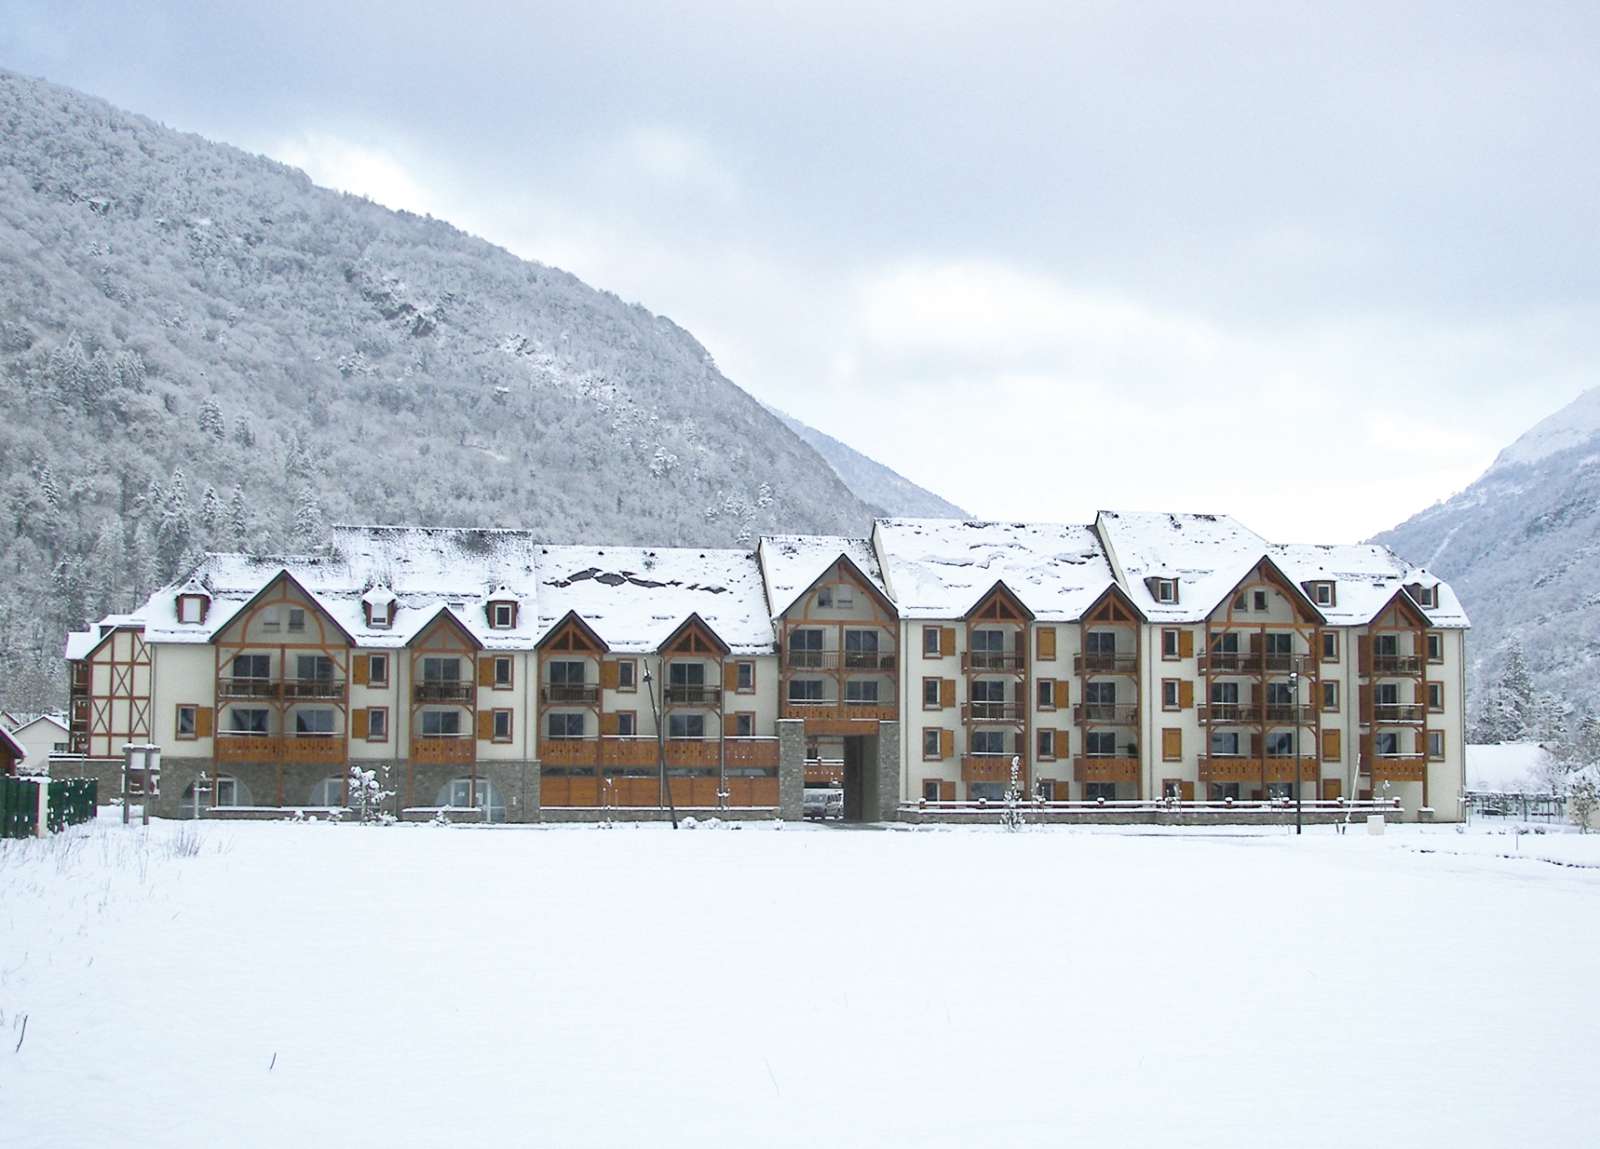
71,802
19,807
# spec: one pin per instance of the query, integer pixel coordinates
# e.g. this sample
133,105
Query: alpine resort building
1145,666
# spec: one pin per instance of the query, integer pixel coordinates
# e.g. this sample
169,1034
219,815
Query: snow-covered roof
1207,554
635,597
790,564
1366,578
11,744
940,568
55,720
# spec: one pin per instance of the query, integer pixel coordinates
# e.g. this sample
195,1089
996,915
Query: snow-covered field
316,985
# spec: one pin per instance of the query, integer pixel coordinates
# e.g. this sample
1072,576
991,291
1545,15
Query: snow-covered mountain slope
171,304
887,491
1521,546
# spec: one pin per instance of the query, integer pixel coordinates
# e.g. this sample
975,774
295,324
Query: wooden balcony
444,748
1106,713
1086,769
237,687
694,752
1396,767
1105,663
1274,768
862,661
706,696
989,768
1230,713
308,749
1399,712
830,717
306,689
824,773
752,753
246,748
443,691
1395,664
1010,712
993,662
578,694
577,751
614,751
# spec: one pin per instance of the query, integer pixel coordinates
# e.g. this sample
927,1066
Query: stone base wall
791,769
1084,817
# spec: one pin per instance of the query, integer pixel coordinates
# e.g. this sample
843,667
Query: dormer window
1322,593
1426,596
193,607
378,615
502,615
1165,590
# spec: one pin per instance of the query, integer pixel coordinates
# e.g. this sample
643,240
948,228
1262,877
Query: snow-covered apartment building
1144,656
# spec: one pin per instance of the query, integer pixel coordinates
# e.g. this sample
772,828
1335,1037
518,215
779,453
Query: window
297,620
1169,643
313,668
992,742
1100,791
502,671
1101,642
569,674
271,621
989,641
1387,694
1436,696
1258,600
1386,645
1166,590
930,645
1330,697
627,723
1322,593
1224,744
247,720
1225,694
1224,792
226,792
1169,694
1330,646
1280,790
844,597
1047,694
317,723
1387,744
502,615
378,614
1280,743
1279,694
1427,596
858,693
805,690
441,724
744,725
1047,743
377,670
745,677
329,792
861,648
685,726
1100,693
441,670
689,678
825,596
1100,744
986,691
1241,603
930,744
930,789
191,608
1435,646
1225,643
930,694
805,647
627,674
1277,642
188,722
564,727
1436,745
501,726
377,724
257,667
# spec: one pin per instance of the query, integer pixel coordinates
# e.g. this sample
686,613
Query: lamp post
661,744
1294,714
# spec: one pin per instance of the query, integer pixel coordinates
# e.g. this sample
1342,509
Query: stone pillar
791,769
887,790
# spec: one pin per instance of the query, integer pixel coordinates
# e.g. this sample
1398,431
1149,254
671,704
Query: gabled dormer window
380,615
193,607
1321,592
1163,590
1425,596
502,615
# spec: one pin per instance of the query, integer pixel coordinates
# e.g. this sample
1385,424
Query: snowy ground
305,984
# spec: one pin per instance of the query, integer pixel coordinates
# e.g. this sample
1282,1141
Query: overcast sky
1309,264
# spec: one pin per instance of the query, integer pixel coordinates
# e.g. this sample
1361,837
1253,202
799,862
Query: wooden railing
1109,713
991,712
833,711
864,661
444,748
1396,767
992,662
1399,712
988,768
443,691
694,696
1274,768
1105,664
320,688
1096,769
327,749
574,694
246,747
243,687
1405,664
824,772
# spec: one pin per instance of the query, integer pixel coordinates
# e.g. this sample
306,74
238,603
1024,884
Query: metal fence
68,802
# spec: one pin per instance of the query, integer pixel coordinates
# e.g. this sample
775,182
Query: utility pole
661,743
1294,688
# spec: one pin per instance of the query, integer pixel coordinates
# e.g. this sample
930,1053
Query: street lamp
1294,716
661,745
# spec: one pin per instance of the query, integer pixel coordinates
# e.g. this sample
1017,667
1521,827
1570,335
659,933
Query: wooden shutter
1171,744
1060,694
1047,643
610,674
730,676
358,670
1331,789
1186,791
1364,654
1365,701
1185,694
947,641
730,725
358,723
1255,744
947,744
1330,746
610,723
1186,648
947,791
202,721
1255,642
485,725
485,670
947,693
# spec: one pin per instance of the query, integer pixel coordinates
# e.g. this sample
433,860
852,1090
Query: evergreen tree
175,531
210,518
307,527
211,421
1510,713
238,521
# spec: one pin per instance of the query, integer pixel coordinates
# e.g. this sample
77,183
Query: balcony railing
824,772
574,694
444,748
1105,664
325,749
866,661
1399,712
247,687
443,691
241,746
988,768
642,750
694,696
835,711
1244,768
1286,713
1096,768
1396,664
1107,713
993,662
991,712
318,688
